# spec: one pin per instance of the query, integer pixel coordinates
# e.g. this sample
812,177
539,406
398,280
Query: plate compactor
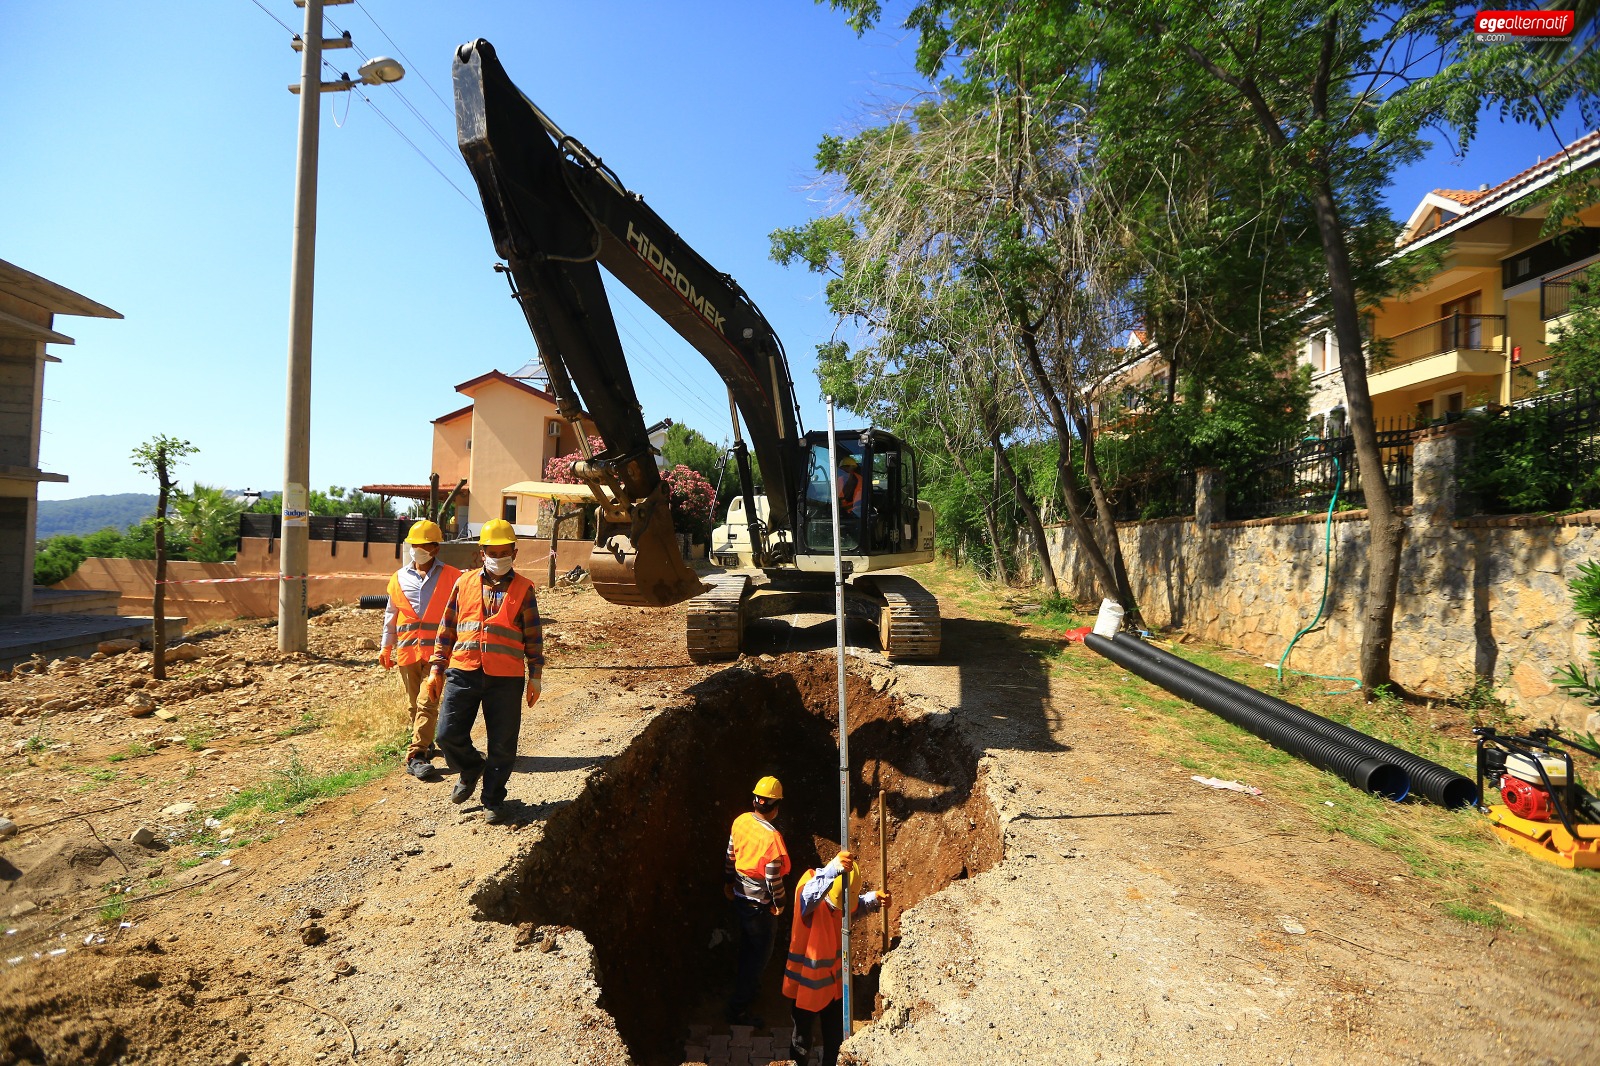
1545,812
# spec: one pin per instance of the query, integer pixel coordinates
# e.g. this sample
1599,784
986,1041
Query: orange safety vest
849,491
493,644
811,973
754,845
414,635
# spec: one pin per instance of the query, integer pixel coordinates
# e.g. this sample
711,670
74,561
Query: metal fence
1540,454
338,530
1148,499
1304,476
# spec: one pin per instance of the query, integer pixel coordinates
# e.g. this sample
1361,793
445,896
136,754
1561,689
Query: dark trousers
501,699
832,1019
755,948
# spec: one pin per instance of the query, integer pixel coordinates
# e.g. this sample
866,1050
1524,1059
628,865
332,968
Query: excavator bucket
638,564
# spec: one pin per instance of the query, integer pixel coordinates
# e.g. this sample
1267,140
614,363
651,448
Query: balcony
1449,347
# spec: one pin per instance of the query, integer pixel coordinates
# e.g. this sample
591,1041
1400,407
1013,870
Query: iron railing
1170,495
1484,333
1540,454
1555,294
363,531
1304,476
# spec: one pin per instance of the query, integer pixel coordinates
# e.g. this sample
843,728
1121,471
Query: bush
58,559
693,499
1576,678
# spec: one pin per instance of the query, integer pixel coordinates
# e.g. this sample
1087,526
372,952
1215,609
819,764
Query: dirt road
1061,894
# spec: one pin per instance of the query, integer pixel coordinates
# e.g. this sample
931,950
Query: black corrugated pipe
1439,784
1380,777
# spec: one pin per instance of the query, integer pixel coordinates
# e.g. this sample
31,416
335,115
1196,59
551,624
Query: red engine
1525,800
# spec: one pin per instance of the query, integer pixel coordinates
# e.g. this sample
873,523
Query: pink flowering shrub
693,500
559,469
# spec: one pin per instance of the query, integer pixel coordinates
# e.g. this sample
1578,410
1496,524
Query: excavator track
908,623
716,619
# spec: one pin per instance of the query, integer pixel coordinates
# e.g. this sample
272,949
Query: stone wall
1479,597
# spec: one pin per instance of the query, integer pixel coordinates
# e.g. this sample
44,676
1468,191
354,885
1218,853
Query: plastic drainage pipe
1380,777
1439,784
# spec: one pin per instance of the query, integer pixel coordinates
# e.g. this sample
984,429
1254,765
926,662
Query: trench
636,861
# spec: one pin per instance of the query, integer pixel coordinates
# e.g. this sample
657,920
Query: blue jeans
501,699
755,948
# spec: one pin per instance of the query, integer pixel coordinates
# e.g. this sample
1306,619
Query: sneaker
464,789
421,769
434,752
496,813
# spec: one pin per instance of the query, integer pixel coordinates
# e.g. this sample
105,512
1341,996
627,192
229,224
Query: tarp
550,490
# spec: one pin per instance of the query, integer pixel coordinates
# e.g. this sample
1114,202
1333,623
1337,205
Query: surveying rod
848,896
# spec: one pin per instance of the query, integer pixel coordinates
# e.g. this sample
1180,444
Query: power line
402,51
450,149
424,156
293,32
646,364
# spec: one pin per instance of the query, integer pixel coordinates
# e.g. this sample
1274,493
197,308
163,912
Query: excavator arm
557,214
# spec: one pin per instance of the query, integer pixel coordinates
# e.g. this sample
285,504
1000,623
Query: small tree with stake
158,456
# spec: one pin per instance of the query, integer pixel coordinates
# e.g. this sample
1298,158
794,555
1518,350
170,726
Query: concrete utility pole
294,551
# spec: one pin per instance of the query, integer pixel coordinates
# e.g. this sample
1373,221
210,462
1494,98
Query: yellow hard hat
424,532
769,788
497,531
850,461
837,890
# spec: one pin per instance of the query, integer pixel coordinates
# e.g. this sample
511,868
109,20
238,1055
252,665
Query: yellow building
1476,332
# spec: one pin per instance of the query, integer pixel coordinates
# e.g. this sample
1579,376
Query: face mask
496,566
420,559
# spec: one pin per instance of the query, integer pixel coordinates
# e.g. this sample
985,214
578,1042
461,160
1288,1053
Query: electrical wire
450,149
293,32
647,359
447,106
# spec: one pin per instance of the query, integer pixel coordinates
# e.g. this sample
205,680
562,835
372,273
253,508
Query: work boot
464,789
421,769
496,813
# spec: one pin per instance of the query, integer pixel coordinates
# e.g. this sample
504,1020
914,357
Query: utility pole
294,552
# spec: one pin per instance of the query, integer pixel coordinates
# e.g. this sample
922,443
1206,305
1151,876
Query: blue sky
150,166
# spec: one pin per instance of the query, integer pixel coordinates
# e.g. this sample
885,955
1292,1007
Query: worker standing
757,862
813,976
849,486
488,638
418,593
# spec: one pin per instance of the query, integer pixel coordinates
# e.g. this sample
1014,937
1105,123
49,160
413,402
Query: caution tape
303,577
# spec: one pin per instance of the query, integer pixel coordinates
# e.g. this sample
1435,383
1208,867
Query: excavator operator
849,486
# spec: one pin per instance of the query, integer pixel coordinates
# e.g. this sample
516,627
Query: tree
692,498
1330,97
58,559
339,501
206,522
157,457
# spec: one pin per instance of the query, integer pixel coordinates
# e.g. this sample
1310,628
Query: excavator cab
874,477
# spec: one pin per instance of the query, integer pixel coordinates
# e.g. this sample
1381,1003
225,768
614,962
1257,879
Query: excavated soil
634,862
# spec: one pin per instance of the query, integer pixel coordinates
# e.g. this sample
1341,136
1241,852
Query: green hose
1327,569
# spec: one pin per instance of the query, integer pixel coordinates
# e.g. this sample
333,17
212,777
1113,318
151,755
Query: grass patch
113,912
297,787
198,738
309,723
1462,913
137,750
376,715
98,778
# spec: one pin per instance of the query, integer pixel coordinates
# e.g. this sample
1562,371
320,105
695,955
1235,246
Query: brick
760,1048
717,1046
694,1053
740,1035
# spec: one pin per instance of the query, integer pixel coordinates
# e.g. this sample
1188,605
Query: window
508,509
1453,402
1425,411
1319,351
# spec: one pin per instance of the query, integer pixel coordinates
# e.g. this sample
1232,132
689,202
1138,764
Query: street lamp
295,554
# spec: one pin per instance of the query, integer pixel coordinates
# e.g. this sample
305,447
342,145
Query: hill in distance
89,514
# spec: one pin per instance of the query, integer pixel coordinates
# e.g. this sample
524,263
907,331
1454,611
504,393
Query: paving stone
740,1035
694,1053
717,1045
760,1048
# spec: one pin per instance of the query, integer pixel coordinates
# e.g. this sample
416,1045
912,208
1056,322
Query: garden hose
1327,570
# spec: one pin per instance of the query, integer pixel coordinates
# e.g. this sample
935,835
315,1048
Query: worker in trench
812,975
488,638
757,862
418,593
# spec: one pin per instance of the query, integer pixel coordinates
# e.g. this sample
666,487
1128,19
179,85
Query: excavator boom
557,214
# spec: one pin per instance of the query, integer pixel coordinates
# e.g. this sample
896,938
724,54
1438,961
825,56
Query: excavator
557,214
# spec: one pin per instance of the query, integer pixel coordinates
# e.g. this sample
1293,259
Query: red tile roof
504,379
453,415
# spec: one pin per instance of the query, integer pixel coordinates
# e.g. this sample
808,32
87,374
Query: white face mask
496,566
420,559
